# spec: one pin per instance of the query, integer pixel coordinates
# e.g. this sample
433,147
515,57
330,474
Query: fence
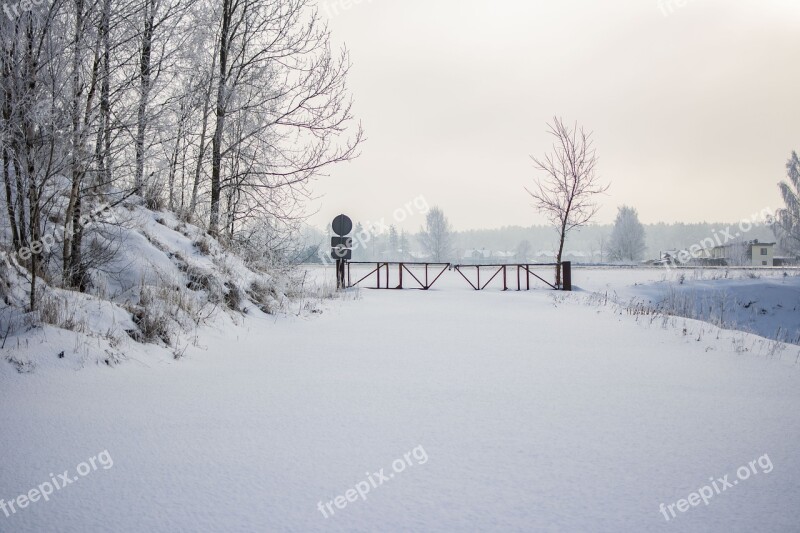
434,271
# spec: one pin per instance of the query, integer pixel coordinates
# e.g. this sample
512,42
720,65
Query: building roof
741,244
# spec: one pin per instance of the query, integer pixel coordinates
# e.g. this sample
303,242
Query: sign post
341,247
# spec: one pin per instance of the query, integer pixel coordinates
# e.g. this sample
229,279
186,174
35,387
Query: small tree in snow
627,237
566,193
436,237
787,221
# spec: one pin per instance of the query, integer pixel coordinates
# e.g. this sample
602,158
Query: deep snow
536,412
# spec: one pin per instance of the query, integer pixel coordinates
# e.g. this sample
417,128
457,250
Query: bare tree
32,151
280,108
100,98
566,193
787,221
436,237
160,37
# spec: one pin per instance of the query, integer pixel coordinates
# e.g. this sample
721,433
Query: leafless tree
437,236
787,222
100,98
566,193
32,149
280,109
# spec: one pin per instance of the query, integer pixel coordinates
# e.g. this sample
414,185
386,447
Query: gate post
566,276
341,282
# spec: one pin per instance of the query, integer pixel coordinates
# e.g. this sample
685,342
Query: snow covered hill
166,279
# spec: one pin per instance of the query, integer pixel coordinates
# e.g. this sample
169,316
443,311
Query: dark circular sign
342,225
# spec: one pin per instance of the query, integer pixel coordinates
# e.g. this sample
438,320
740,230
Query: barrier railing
492,271
401,268
434,271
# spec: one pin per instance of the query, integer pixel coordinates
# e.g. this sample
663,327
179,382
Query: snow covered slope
165,280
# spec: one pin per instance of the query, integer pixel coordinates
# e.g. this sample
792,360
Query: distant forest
592,239
589,240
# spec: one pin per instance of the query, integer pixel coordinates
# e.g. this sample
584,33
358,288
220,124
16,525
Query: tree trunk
144,82
12,216
173,167
562,239
33,201
203,131
216,155
103,143
76,144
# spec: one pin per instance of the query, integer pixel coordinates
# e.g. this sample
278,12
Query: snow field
536,414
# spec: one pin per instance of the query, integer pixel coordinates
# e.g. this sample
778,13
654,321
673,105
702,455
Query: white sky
694,112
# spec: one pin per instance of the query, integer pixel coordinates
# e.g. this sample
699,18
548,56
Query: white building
751,253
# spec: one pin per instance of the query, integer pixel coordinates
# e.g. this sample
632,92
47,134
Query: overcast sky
694,108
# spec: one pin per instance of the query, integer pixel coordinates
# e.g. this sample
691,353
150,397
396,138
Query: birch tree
275,64
103,98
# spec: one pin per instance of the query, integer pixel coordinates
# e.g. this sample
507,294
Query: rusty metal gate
434,271
441,268
492,271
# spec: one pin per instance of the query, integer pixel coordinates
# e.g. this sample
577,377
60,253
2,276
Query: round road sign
342,225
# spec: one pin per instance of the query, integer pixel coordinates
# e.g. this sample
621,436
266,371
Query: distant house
576,256
545,256
751,253
475,256
504,257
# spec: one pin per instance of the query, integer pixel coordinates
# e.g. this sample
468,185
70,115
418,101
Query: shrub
263,295
57,311
233,297
203,246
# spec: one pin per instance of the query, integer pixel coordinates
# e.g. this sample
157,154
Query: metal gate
434,271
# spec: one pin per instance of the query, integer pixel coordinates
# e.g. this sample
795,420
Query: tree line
220,111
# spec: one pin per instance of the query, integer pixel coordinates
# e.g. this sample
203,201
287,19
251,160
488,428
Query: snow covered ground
448,410
763,302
